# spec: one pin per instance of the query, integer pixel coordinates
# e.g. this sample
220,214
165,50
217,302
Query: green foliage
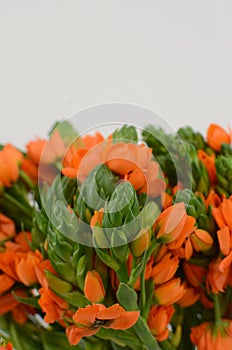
125,134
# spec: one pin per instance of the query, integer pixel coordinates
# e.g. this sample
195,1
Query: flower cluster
117,242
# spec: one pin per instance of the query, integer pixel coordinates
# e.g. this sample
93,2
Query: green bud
125,134
141,242
149,214
119,245
81,269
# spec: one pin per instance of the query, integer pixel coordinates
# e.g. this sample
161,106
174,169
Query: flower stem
217,309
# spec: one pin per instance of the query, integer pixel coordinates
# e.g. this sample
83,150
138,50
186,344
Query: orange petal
224,240
126,320
75,333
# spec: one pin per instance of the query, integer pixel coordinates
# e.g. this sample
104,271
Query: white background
59,56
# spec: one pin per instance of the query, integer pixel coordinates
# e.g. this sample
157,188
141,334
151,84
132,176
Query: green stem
145,335
217,310
166,345
16,204
143,289
27,180
122,273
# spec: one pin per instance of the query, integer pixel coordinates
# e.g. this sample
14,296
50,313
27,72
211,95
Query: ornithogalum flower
97,218
158,319
52,305
7,228
130,161
201,240
90,319
216,136
10,159
209,162
208,336
218,275
190,297
173,226
169,292
165,269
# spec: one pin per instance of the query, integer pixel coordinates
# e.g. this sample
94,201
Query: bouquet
117,242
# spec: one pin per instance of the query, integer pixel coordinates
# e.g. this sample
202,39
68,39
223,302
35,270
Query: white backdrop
59,56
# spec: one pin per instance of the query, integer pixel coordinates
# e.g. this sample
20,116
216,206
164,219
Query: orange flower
35,149
90,319
165,269
218,277
223,216
195,274
207,336
52,305
130,161
6,283
97,218
173,226
7,228
10,159
20,313
213,199
201,240
158,319
209,162
93,287
141,242
20,266
190,297
169,292
74,156
25,267
7,347
8,302
30,168
21,243
223,213
216,136
55,149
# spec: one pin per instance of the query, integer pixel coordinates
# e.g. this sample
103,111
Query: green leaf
22,341
127,297
75,298
145,334
56,340
136,272
107,259
31,301
56,284
121,337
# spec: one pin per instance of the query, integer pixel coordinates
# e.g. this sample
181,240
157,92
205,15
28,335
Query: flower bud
169,292
201,240
93,287
141,242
